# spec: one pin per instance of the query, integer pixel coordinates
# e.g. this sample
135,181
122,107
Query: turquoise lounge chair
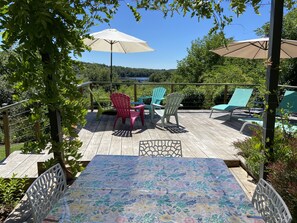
156,98
239,100
288,105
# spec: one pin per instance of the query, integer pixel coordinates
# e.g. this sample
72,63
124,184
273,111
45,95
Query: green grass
14,147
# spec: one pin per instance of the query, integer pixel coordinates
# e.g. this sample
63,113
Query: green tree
43,34
288,67
164,76
5,90
199,59
94,72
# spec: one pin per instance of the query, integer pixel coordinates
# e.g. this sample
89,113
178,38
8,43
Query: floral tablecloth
153,189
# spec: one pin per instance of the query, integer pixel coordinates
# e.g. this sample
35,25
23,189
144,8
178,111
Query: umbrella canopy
257,49
112,40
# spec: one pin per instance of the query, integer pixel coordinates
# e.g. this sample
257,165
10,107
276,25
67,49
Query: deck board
201,136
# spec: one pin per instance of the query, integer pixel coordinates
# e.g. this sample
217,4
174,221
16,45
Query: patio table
154,189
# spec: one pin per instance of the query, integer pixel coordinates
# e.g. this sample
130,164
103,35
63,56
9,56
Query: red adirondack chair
122,104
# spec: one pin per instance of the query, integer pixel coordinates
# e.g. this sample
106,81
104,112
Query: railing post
135,92
172,87
225,93
6,131
37,130
91,98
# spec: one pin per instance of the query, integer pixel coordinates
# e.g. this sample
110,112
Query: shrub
5,97
283,177
11,191
251,149
193,98
282,173
1,137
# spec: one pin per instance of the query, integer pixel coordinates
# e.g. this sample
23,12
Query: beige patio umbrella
114,41
257,49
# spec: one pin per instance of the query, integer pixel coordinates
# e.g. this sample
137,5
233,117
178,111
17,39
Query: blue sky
170,37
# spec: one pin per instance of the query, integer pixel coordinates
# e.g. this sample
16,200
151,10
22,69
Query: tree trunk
54,115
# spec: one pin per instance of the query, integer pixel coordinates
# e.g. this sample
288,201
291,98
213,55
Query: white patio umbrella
114,41
257,49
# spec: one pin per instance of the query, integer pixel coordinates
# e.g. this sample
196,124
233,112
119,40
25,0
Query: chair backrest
240,97
270,204
121,103
173,102
160,148
158,95
289,102
45,191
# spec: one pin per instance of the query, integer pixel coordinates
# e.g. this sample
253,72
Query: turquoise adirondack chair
239,100
156,98
173,102
287,105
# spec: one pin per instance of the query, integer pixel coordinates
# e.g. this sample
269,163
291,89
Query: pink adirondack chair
122,104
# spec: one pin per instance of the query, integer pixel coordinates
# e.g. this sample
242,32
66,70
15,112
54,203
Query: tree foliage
164,76
43,34
199,59
288,67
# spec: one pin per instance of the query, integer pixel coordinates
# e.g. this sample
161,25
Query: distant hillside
120,71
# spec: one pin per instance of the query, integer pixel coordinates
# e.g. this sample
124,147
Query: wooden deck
201,136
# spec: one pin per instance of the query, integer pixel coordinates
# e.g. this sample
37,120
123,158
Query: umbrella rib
244,46
110,41
286,53
93,42
263,46
122,46
259,50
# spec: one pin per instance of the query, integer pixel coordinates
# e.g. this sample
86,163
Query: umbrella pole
111,67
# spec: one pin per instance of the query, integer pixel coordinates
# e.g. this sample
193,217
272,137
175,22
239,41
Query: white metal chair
160,148
45,191
270,204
